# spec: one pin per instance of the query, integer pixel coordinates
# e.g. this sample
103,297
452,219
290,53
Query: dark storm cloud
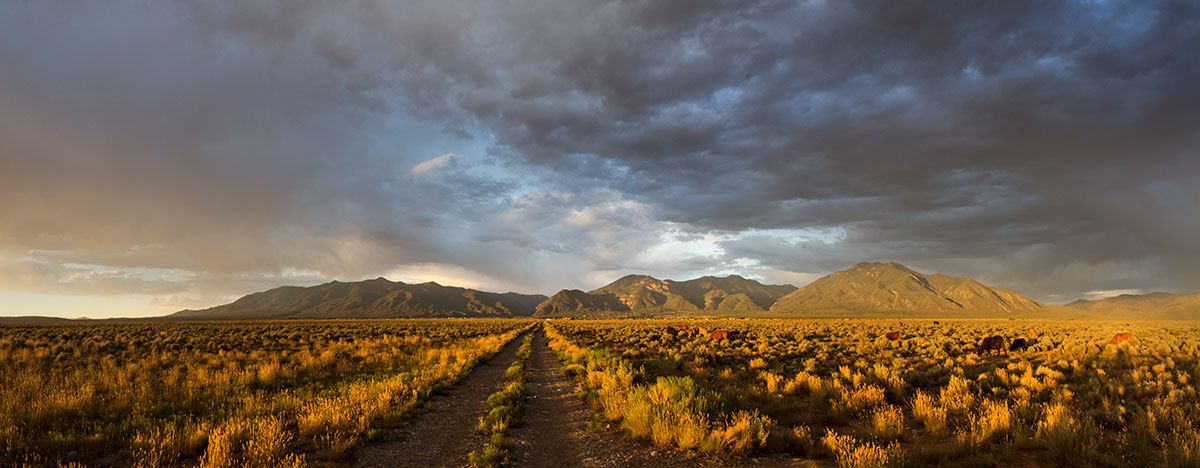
950,134
1046,146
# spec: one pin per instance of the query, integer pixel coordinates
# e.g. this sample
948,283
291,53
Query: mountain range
1152,306
863,290
645,295
893,289
377,298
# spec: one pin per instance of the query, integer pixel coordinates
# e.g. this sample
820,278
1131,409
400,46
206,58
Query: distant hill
33,319
894,290
377,298
1152,306
642,295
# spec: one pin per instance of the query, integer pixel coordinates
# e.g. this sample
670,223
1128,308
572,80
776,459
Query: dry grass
887,423
850,453
225,393
1070,397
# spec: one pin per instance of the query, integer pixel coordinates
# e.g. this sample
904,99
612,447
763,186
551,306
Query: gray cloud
1046,146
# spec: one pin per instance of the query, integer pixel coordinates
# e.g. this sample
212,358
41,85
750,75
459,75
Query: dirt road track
444,436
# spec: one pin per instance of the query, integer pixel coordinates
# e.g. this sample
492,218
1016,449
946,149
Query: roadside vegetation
504,410
670,411
269,394
841,390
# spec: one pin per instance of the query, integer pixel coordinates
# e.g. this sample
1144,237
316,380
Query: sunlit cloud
1093,295
433,164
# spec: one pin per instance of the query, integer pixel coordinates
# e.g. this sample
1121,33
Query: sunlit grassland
840,390
222,394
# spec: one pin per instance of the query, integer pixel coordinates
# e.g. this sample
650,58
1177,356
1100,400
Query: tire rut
445,435
553,431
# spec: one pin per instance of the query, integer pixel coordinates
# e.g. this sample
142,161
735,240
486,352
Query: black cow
1018,344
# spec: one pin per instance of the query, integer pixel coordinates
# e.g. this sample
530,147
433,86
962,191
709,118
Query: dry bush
334,444
957,398
857,400
1182,449
927,410
992,421
655,411
155,448
267,444
772,381
1066,435
222,443
740,434
887,422
850,453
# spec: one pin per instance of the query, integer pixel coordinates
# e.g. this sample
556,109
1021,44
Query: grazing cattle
1018,344
1121,337
935,322
1033,333
992,343
899,323
720,335
893,336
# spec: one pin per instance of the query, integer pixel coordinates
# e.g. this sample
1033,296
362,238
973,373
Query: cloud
1095,295
1044,146
433,164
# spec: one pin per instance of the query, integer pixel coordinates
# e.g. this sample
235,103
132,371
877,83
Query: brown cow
899,324
718,335
1121,337
893,336
1033,333
992,343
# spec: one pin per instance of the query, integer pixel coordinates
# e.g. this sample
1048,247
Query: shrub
672,402
957,397
155,448
849,453
1182,449
859,399
333,445
1067,436
772,381
490,456
887,422
221,444
994,420
516,371
808,383
742,432
932,415
265,449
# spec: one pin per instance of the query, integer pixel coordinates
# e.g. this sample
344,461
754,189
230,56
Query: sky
156,156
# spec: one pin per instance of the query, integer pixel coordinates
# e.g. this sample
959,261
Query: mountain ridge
375,298
865,289
893,289
646,295
1149,306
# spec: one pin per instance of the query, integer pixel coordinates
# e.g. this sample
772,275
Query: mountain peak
643,294
894,289
634,278
879,266
376,298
